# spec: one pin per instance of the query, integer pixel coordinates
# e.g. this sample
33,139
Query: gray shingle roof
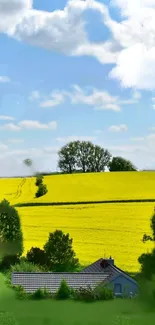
32,281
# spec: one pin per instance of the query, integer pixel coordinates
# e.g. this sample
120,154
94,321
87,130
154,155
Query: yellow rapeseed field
82,187
111,229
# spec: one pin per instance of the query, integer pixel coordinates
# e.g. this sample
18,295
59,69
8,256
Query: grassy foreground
117,312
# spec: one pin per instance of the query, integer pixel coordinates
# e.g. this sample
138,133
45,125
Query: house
103,271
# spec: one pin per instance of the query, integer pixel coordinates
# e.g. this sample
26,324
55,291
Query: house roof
91,275
113,271
33,281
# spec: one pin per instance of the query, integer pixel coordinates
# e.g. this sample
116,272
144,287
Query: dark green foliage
40,294
67,157
103,293
83,156
20,292
119,164
60,253
64,291
7,261
39,180
11,237
147,262
24,266
37,256
42,190
84,294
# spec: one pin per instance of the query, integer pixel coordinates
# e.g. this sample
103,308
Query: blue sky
76,70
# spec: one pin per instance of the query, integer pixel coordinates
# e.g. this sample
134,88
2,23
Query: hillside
82,187
111,229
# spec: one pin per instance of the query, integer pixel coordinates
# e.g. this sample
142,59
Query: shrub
20,292
84,294
42,190
7,261
39,180
41,294
36,256
103,293
26,267
64,291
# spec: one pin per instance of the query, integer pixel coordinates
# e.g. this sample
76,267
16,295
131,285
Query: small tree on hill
119,164
11,237
60,253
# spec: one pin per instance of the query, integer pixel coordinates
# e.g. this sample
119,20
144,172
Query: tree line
84,156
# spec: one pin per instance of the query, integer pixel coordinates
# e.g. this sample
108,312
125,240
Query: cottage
103,271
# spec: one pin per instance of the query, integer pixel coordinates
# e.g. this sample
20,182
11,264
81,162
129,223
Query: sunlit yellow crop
82,187
97,230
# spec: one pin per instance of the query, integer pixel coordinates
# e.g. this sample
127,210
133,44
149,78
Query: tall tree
68,157
119,164
11,237
60,253
85,152
83,155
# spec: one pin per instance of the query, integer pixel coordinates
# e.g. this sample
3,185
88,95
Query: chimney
110,261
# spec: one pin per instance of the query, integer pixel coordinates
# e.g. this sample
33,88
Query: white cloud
4,79
75,138
6,118
35,95
55,98
118,128
131,47
15,141
137,139
10,127
29,124
153,106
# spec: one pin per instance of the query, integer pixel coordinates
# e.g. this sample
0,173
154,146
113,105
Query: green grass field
49,312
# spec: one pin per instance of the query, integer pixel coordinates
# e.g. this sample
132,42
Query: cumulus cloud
118,128
16,141
131,47
10,127
55,98
4,79
75,138
29,125
6,118
35,95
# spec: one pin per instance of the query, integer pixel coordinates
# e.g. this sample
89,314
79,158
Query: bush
41,294
37,256
7,261
64,291
26,267
42,190
20,292
39,180
103,293
84,294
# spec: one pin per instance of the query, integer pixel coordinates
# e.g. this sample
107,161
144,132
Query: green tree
11,237
119,164
147,260
67,157
84,156
60,253
37,256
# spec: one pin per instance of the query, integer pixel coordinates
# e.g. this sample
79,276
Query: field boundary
31,204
